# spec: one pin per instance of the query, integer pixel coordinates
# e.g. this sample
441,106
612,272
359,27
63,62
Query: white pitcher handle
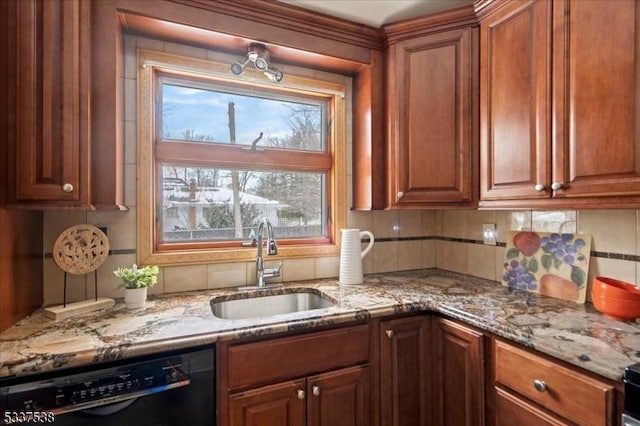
371,240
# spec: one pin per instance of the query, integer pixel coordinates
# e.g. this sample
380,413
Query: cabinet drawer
566,392
274,360
511,410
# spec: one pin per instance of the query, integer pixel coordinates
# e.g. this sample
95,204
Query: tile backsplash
447,239
412,239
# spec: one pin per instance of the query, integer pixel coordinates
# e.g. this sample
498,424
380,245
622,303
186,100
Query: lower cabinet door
282,404
404,372
511,410
339,398
458,372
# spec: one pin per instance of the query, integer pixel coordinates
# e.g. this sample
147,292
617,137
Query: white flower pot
135,298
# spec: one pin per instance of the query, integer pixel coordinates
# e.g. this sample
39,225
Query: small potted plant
135,282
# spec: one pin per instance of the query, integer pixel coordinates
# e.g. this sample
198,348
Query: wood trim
250,20
107,109
559,203
295,18
460,17
21,268
483,8
310,46
150,252
368,148
229,156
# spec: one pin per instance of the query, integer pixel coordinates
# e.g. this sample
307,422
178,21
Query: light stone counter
577,334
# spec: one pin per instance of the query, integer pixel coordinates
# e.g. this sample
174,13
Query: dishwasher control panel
94,388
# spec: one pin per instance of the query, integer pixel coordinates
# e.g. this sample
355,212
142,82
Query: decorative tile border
602,254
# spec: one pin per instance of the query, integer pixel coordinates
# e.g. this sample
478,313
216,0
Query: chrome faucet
272,249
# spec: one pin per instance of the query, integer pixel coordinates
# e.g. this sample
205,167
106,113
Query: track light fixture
258,55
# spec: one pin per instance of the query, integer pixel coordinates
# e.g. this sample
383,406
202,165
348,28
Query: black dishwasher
631,380
167,389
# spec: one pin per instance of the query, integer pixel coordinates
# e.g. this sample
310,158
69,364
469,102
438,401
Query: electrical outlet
489,233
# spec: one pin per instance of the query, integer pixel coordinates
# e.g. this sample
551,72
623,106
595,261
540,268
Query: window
223,152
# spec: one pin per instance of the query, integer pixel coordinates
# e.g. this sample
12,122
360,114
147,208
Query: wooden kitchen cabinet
50,69
558,104
458,374
339,398
533,390
432,130
336,398
48,81
514,101
281,404
404,371
316,379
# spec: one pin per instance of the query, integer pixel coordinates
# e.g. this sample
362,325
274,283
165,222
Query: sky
206,112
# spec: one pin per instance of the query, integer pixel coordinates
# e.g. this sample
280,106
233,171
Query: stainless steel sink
256,305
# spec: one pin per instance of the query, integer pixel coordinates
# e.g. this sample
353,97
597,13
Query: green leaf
557,263
137,277
578,276
513,253
546,260
525,263
533,265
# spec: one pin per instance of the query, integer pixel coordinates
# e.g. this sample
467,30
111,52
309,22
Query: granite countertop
574,333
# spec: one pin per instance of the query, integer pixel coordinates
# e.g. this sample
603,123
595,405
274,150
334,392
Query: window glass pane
223,116
198,204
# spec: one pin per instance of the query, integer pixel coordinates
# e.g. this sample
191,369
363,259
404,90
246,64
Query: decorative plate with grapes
548,263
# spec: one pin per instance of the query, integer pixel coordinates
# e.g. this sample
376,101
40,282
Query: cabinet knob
67,187
540,385
300,394
390,334
539,187
315,390
556,185
400,194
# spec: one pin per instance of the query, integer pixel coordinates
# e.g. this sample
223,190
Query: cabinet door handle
556,185
315,390
540,385
539,187
390,334
300,394
67,187
400,194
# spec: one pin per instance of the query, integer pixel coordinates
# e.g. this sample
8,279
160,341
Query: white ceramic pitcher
351,255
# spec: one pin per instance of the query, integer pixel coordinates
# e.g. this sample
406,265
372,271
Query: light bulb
237,68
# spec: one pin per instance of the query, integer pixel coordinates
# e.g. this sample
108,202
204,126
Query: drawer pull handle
390,334
300,394
540,385
539,187
400,194
315,390
67,187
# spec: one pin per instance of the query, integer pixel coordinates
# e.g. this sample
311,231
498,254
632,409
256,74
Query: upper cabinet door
596,95
431,126
49,92
514,107
559,104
